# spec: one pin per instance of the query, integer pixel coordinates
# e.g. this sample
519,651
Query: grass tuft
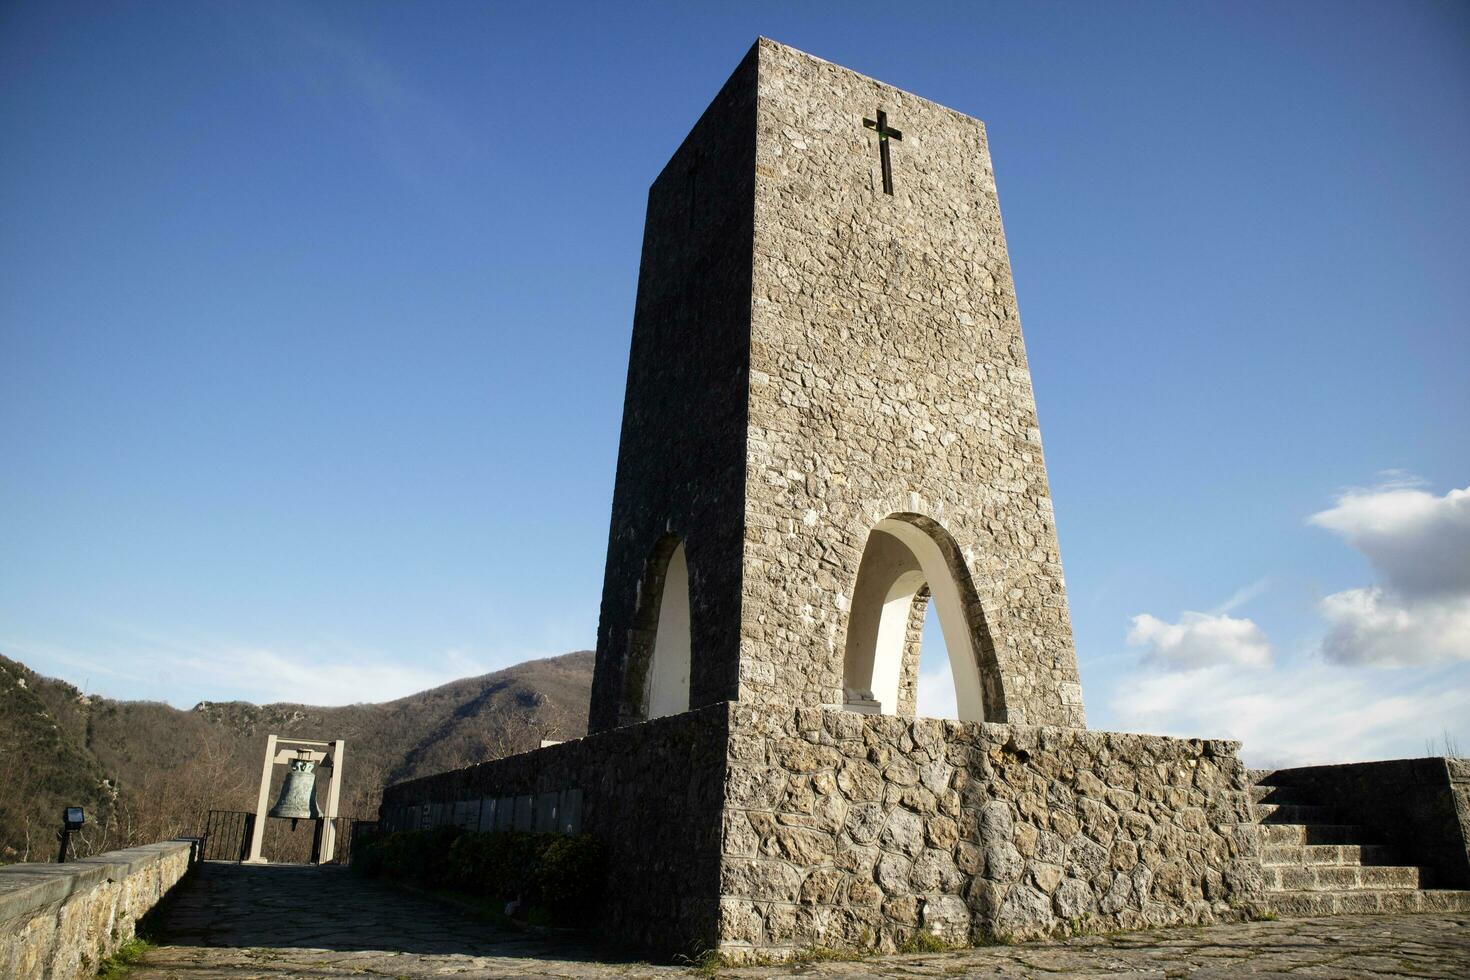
121,962
711,961
708,963
927,942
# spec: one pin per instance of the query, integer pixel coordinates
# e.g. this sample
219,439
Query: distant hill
147,771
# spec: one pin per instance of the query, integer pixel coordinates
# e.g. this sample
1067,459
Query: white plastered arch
876,652
888,648
668,673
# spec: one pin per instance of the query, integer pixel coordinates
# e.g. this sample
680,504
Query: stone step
1293,813
1258,775
1328,854
1321,833
1280,794
1345,877
1306,904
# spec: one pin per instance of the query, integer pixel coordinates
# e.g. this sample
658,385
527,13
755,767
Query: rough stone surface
61,920
264,923
763,830
888,376
811,356
1031,830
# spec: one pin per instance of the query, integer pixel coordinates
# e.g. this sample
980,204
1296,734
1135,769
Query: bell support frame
326,755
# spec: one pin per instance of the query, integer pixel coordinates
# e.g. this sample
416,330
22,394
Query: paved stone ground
232,922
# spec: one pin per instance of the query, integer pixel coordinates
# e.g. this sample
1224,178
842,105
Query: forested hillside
147,771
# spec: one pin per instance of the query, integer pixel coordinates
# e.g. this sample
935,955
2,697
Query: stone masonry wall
58,921
650,792
842,829
888,375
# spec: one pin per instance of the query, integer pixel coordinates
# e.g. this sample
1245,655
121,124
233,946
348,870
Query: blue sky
314,320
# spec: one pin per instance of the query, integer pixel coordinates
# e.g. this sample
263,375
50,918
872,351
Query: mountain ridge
147,770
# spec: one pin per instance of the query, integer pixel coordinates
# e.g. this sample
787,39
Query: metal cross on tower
883,134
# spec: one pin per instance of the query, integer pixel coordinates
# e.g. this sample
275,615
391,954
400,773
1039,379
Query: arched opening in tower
668,675
656,669
910,564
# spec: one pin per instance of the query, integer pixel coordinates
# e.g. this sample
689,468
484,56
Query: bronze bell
298,792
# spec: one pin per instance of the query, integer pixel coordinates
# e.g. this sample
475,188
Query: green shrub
367,855
417,857
570,876
554,877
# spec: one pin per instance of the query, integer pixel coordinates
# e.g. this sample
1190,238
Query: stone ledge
26,888
58,921
131,860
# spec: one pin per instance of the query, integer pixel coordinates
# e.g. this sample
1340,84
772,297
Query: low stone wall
1420,806
765,830
58,921
650,792
844,829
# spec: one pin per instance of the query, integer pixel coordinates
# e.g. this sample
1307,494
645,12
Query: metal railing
227,835
227,838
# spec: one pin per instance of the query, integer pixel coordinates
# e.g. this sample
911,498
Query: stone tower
829,420
828,427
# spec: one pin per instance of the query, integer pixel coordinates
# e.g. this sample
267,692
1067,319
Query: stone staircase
1316,865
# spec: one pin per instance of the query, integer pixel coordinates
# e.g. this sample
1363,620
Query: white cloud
1419,545
1242,595
1375,626
1200,640
1306,714
936,697
186,670
264,676
1309,709
307,55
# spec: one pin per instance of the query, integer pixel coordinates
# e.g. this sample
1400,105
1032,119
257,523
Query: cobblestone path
252,923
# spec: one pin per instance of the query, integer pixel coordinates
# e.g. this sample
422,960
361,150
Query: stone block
893,873
903,832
